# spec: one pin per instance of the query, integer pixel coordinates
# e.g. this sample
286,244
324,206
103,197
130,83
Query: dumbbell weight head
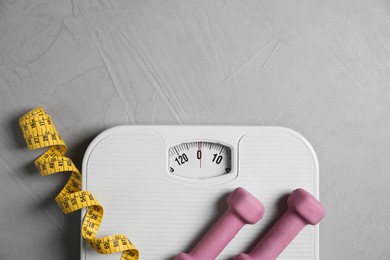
245,205
307,206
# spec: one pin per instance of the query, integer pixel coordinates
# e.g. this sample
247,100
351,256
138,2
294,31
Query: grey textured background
318,67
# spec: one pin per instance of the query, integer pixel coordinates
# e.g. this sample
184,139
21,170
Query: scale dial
200,160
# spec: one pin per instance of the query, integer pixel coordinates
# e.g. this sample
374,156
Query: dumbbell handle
243,209
215,240
277,239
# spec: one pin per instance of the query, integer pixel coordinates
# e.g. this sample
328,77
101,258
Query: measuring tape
40,132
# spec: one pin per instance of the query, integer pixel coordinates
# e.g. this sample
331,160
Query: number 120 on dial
199,159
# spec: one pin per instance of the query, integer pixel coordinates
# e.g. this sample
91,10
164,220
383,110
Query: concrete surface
318,67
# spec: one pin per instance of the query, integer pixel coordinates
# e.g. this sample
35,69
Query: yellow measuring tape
39,132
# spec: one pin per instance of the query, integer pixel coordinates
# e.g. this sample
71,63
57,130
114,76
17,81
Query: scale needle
200,149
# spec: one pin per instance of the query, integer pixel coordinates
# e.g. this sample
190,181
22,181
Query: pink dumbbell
243,208
303,209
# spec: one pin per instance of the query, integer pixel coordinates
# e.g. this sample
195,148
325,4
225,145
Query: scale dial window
200,160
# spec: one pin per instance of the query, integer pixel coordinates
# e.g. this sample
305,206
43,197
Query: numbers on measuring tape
39,132
199,159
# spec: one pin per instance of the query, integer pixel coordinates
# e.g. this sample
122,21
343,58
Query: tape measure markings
39,132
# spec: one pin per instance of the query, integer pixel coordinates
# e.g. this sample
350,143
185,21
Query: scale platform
165,186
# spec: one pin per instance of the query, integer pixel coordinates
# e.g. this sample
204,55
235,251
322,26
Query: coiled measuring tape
40,132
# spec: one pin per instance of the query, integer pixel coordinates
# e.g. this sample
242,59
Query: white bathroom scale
165,186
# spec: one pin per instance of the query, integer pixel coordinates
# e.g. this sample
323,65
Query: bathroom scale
165,186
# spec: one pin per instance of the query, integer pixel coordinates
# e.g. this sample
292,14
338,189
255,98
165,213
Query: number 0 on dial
200,160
